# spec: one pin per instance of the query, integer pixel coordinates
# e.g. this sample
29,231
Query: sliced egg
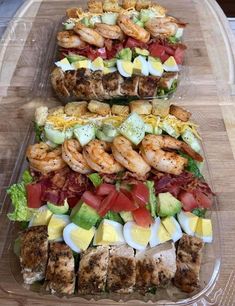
41,217
155,67
170,65
136,236
188,222
107,70
173,228
140,66
78,238
109,232
204,230
64,64
82,64
125,68
97,64
56,226
158,233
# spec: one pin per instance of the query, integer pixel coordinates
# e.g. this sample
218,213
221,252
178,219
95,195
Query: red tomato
203,200
123,202
179,56
142,217
34,192
140,194
164,57
72,201
105,189
107,203
188,200
133,43
92,200
157,50
169,50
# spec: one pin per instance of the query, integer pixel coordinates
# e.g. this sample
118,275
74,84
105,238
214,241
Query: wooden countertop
207,89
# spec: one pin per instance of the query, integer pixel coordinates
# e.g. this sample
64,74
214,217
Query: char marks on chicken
112,84
148,86
130,87
34,253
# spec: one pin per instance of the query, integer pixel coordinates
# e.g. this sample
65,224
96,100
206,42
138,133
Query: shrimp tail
189,151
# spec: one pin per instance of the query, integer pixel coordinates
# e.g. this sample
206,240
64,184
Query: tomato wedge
142,217
105,189
188,200
91,199
179,55
157,50
107,203
123,202
140,194
203,200
34,192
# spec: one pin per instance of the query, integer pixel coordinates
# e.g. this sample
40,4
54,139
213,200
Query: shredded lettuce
38,131
17,193
152,198
95,179
173,39
192,166
200,212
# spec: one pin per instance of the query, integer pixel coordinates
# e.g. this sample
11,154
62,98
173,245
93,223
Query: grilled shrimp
89,35
127,157
68,39
152,149
163,26
44,160
98,159
132,29
71,155
109,31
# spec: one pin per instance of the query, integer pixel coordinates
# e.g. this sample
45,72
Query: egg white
155,231
129,240
154,71
118,228
144,65
121,69
177,233
66,220
184,221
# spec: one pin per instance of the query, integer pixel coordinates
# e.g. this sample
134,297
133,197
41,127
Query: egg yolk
140,235
81,237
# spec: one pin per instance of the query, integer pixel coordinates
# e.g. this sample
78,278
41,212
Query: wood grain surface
207,89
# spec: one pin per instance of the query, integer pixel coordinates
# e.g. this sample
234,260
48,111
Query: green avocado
142,52
84,216
126,216
75,58
110,63
168,205
58,210
125,54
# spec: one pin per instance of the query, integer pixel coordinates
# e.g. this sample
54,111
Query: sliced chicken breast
112,84
130,87
121,270
155,267
34,253
93,269
60,272
148,86
189,256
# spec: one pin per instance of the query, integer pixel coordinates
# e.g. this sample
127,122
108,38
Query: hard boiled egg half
109,232
155,67
158,233
78,238
140,66
97,64
136,236
204,230
56,226
170,65
125,68
188,222
173,228
41,217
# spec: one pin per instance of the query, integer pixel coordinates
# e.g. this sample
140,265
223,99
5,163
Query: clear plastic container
27,54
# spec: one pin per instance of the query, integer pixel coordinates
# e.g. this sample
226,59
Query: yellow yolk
140,235
81,237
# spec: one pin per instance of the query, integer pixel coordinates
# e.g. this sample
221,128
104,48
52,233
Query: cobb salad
122,190
111,51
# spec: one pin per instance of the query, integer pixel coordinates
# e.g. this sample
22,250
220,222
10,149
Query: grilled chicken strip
34,253
155,267
189,256
112,84
93,268
58,83
60,272
130,87
121,270
148,86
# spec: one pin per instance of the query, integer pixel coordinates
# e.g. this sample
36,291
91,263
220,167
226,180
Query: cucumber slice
170,130
84,134
157,130
110,130
133,128
148,128
54,135
102,136
109,18
69,25
95,19
69,133
191,140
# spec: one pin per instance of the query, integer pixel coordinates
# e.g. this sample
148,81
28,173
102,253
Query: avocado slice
110,63
168,205
84,216
75,58
142,52
58,209
125,54
126,216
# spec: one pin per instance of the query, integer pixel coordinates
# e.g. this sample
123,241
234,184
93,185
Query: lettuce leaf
152,198
96,179
17,193
192,166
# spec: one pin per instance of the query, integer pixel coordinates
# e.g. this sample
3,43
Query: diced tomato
34,192
123,202
164,57
134,43
105,189
188,200
203,200
140,193
179,56
169,50
91,199
157,50
142,217
107,203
